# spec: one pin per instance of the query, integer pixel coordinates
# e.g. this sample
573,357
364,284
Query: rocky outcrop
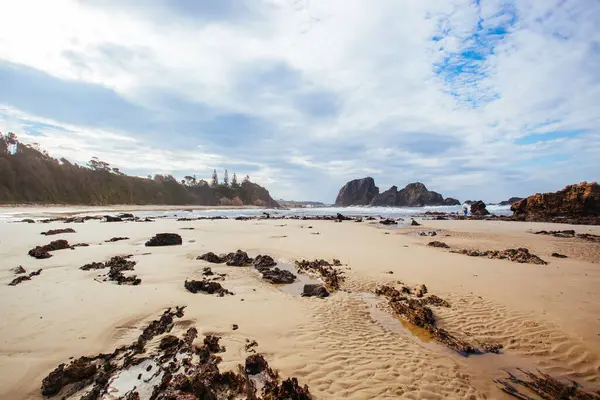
450,201
413,195
358,192
581,200
478,208
510,201
164,239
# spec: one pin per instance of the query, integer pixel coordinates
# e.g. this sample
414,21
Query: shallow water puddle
142,377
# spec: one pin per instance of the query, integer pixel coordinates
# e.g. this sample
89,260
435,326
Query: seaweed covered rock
165,239
278,276
58,231
206,286
41,252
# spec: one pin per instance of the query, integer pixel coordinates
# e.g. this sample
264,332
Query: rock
264,261
314,290
357,192
63,375
238,259
510,201
28,220
207,271
436,301
450,201
520,255
18,270
23,278
278,276
206,286
79,245
388,221
116,239
41,252
430,234
58,231
333,277
580,200
385,199
557,255
339,217
478,208
255,364
109,218
235,327
420,290
126,215
438,244
165,239
414,223
211,258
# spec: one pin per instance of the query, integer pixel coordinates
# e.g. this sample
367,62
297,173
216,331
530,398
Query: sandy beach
349,345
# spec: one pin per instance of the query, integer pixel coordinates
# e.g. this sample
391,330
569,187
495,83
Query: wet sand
345,346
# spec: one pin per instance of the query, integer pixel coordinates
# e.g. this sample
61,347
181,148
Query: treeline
30,175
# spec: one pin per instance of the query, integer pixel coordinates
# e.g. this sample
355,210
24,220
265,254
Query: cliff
413,195
580,200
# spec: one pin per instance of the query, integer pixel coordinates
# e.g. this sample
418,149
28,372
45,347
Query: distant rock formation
580,200
413,195
450,201
510,201
358,192
478,208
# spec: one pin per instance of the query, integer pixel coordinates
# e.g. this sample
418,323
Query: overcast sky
476,99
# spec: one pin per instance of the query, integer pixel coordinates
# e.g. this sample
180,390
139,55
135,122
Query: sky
477,99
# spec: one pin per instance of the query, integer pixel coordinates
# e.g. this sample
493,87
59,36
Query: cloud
475,99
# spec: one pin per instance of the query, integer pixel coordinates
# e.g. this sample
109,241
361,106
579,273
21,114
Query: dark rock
41,252
255,364
109,218
449,201
314,290
436,301
126,215
557,255
438,244
576,201
385,199
116,239
210,287
264,261
430,234
18,270
80,245
23,278
207,271
357,192
235,327
420,290
211,258
58,231
388,221
339,217
238,259
63,375
333,277
414,223
520,255
278,276
28,220
510,201
478,208
165,239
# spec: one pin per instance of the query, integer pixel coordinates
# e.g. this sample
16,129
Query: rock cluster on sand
41,252
580,201
238,259
358,192
520,255
165,239
206,286
570,233
116,265
23,278
197,376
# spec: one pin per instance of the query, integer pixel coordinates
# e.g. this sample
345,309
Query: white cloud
378,61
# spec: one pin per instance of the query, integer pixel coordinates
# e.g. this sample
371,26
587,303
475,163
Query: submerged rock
314,290
165,239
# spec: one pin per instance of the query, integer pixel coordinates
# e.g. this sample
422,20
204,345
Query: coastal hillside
31,175
363,192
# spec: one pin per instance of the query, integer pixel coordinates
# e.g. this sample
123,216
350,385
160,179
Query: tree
226,178
98,165
234,182
188,180
246,179
215,178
